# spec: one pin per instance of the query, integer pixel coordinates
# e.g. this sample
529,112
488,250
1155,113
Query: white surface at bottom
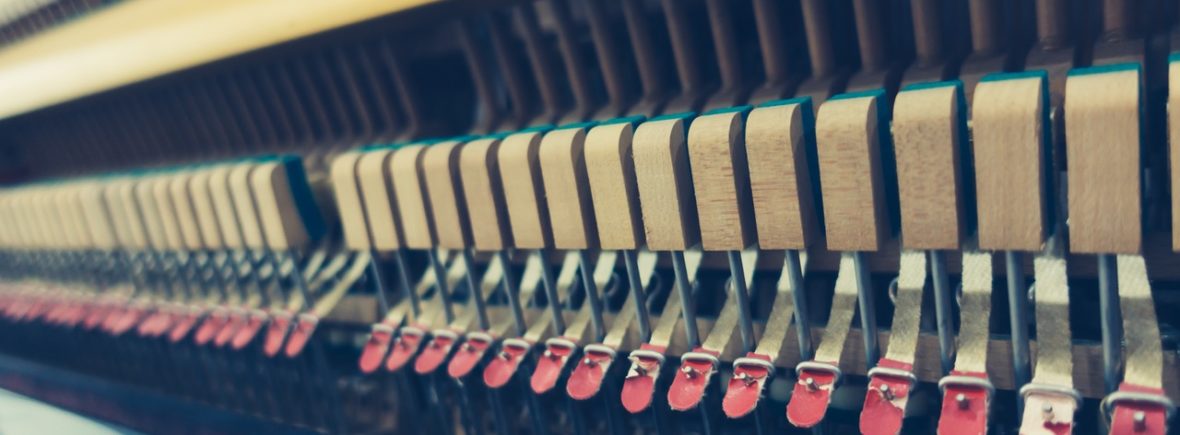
20,415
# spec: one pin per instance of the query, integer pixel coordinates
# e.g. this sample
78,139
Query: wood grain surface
1102,152
780,181
850,173
520,177
1008,132
479,169
412,205
444,189
610,171
720,179
665,185
567,188
926,140
373,176
349,207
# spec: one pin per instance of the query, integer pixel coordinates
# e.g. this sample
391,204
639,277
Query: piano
593,216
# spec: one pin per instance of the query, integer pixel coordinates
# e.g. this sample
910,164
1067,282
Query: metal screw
588,362
689,372
1140,419
504,355
1047,409
810,383
886,392
962,399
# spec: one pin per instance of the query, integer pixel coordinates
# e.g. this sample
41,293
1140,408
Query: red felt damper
375,348
586,379
745,387
53,315
1154,418
435,352
255,321
884,409
967,417
164,322
501,368
691,379
126,320
112,318
405,346
75,315
301,334
552,362
640,384
184,324
276,333
150,324
236,321
809,401
95,316
211,327
469,354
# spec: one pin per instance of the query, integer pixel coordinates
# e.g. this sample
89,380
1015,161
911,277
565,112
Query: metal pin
868,311
550,284
745,322
886,392
587,272
1018,318
688,306
476,292
962,400
440,283
688,371
942,310
642,317
1140,420
1112,333
399,263
794,269
513,293
810,383
1047,410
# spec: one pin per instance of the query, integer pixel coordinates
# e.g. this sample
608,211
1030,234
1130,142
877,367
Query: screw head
810,383
886,391
962,400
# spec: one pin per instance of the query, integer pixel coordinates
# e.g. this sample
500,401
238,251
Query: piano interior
593,216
